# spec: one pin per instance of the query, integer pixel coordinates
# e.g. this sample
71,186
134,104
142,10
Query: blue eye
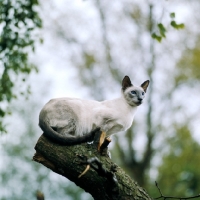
133,92
142,93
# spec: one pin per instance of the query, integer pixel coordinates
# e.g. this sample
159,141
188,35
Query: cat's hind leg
68,127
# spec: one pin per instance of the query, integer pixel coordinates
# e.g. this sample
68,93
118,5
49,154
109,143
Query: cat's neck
121,104
126,104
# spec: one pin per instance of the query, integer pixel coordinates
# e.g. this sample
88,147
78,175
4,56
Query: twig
172,197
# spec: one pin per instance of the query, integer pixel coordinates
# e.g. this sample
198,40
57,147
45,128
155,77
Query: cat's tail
50,133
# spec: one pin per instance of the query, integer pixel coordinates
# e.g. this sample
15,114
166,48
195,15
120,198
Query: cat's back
59,110
64,103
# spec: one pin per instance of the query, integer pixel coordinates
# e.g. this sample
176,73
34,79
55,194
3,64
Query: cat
71,121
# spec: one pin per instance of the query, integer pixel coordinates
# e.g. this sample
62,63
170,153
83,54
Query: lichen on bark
65,160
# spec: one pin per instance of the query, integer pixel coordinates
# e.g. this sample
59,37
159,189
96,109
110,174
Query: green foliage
157,37
162,30
177,26
89,60
18,20
179,173
161,33
172,15
188,67
174,24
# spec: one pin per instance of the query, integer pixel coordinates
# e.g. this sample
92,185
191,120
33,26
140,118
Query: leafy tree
188,67
178,168
178,173
161,29
19,20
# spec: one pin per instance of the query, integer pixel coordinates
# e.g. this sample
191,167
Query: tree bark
68,162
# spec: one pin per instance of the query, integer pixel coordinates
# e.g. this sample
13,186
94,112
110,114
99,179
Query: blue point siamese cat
73,121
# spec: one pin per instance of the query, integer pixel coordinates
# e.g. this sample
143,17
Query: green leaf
172,15
181,26
162,29
177,26
157,37
173,24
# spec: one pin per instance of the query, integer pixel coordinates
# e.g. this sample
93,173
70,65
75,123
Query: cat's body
71,121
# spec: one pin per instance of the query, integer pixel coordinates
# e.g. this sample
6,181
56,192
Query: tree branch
171,197
102,181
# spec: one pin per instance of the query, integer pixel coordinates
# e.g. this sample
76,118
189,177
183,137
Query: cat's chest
125,119
120,117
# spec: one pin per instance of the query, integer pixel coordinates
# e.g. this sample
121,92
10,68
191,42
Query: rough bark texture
65,161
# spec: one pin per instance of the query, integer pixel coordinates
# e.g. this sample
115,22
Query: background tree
186,180
93,44
178,171
19,21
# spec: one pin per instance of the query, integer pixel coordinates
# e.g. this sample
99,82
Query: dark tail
66,139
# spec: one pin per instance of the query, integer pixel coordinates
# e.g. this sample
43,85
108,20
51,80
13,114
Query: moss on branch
66,161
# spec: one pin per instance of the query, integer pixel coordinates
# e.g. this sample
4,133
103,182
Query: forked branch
172,197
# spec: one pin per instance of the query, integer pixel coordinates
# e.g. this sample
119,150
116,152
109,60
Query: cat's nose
140,99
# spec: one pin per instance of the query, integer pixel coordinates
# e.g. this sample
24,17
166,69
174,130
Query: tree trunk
68,162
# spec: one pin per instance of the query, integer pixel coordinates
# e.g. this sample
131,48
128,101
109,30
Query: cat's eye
142,93
133,92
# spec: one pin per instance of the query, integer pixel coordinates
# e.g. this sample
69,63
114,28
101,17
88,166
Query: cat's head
134,95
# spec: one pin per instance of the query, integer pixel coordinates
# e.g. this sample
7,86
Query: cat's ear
145,85
126,82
